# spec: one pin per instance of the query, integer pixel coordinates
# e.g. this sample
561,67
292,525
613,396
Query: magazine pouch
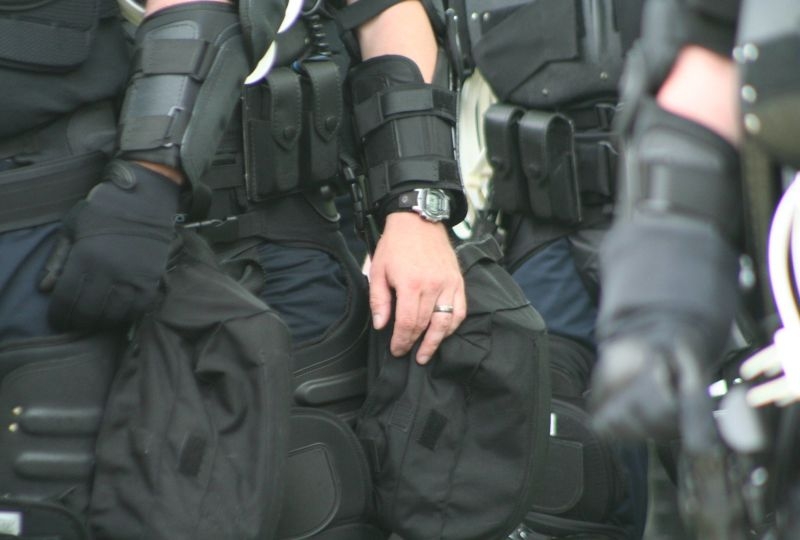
509,185
272,116
546,146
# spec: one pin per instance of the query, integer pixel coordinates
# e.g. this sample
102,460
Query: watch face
435,204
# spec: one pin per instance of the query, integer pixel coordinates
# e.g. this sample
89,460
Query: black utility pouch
272,117
322,118
509,185
547,149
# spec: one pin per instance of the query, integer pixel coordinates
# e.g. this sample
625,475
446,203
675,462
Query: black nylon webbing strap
191,57
389,174
145,132
360,12
39,194
421,100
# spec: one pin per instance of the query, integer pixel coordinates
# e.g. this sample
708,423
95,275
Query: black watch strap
409,201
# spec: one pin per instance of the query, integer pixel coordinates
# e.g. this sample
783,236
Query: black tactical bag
456,445
195,434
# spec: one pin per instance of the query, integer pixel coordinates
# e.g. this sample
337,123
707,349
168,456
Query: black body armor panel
545,54
56,56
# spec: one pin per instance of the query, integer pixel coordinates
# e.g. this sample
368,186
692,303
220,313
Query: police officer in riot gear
670,269
671,265
554,68
117,178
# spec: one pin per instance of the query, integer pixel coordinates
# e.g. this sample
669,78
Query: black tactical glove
670,291
106,269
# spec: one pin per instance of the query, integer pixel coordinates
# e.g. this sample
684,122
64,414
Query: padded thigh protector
188,68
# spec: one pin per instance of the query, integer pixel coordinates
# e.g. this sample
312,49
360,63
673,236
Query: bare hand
414,258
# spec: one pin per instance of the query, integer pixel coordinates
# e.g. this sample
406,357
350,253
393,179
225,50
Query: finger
459,310
408,325
438,329
380,298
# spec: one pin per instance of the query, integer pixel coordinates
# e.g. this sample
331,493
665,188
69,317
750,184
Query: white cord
780,360
264,65
474,98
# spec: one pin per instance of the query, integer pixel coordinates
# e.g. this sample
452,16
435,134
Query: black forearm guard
187,74
675,166
406,127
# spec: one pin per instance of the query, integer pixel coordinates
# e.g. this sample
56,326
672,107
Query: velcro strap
704,183
689,190
417,100
389,176
147,132
192,57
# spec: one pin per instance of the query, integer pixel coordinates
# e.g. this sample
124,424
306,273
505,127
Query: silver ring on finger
443,308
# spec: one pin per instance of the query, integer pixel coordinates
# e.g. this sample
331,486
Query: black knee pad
328,485
584,482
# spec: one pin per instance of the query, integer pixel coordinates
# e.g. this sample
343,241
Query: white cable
778,257
782,355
